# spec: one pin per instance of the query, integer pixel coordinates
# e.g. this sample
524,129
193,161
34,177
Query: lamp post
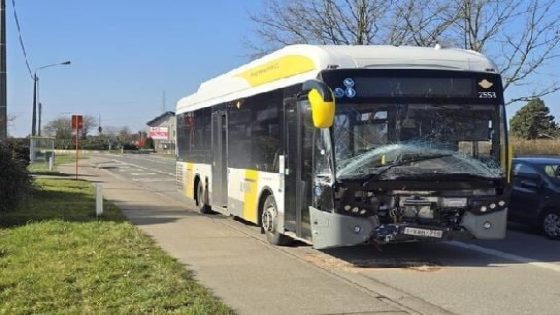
35,84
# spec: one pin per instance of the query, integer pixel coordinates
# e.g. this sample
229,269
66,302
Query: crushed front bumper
335,230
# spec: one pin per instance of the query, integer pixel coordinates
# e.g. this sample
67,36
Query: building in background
163,130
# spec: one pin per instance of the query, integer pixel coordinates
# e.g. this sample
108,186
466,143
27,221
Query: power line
21,41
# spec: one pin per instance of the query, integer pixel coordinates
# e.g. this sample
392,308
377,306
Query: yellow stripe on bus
189,180
250,195
280,68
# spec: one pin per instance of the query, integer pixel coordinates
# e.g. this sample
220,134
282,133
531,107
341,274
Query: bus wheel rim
268,218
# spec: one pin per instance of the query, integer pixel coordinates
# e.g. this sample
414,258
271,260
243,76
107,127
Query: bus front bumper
334,230
330,229
491,226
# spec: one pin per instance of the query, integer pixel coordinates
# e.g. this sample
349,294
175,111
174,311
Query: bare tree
521,36
61,127
420,22
349,22
89,124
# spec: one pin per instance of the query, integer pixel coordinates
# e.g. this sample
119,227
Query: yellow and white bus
342,145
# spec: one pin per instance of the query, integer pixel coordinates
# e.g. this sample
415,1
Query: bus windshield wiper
403,162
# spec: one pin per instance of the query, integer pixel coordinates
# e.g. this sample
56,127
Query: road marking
151,180
144,168
141,174
497,253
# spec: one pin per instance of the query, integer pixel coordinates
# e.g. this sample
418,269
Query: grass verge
57,257
42,168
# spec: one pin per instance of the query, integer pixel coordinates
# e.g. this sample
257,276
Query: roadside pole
77,125
77,153
3,98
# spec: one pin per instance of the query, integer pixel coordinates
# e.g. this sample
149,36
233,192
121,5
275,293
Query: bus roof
297,63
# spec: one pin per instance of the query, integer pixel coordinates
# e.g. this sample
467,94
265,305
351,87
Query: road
518,275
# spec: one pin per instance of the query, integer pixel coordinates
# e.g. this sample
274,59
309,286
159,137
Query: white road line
512,257
145,168
141,174
152,180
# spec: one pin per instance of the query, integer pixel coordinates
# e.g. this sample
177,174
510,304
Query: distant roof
539,159
297,63
156,121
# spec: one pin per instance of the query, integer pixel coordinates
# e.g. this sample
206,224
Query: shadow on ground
432,256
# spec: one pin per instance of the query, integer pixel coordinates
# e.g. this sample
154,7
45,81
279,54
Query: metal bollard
98,199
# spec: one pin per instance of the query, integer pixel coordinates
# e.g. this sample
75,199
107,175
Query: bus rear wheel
269,218
202,207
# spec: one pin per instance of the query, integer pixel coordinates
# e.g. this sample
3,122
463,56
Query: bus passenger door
298,170
219,159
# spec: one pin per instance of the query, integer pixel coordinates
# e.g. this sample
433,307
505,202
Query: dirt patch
358,265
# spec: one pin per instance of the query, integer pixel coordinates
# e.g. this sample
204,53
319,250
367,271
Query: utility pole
3,95
34,115
35,97
39,120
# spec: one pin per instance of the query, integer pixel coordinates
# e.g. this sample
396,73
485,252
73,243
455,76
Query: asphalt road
518,275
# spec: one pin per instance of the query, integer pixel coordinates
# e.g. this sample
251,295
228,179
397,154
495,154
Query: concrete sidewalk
247,273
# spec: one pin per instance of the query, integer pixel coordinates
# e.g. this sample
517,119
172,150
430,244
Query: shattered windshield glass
416,139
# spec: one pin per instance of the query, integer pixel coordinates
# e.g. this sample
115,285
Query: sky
125,53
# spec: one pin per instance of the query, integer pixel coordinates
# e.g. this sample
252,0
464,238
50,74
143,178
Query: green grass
56,257
42,168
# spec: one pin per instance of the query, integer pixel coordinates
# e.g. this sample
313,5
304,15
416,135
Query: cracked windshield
417,139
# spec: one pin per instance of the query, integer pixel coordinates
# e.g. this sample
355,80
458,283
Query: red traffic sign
77,122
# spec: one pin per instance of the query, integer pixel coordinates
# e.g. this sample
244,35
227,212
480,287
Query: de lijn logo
348,89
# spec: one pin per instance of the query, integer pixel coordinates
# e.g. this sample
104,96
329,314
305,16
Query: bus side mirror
322,103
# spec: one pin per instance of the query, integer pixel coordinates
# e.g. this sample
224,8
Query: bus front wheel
202,206
269,219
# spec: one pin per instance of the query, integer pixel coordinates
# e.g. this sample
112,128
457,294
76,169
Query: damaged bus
344,145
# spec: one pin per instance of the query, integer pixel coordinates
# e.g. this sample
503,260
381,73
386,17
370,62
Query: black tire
269,215
550,224
202,207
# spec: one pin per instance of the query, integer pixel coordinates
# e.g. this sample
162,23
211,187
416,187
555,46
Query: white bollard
51,163
98,199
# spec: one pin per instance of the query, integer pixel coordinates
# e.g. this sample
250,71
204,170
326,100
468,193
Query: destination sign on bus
367,84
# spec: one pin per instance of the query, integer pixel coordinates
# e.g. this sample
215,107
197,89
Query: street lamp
35,83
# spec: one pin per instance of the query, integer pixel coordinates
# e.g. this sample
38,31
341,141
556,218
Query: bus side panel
236,180
250,196
246,187
189,180
186,175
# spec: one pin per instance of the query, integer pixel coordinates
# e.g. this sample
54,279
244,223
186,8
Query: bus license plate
423,232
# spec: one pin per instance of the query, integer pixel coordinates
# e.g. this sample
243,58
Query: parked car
535,195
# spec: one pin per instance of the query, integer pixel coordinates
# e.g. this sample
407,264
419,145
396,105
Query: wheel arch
548,205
